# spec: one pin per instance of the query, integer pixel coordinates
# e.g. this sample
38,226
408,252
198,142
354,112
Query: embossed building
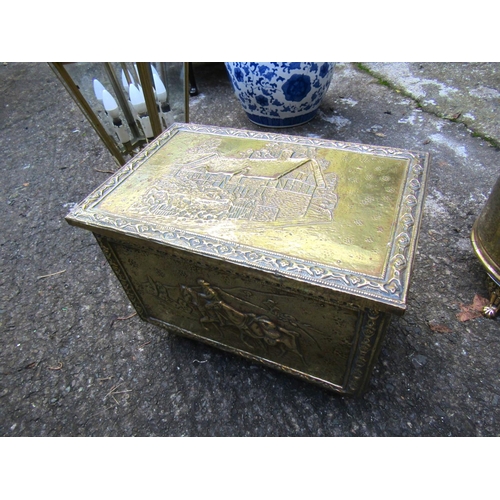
293,190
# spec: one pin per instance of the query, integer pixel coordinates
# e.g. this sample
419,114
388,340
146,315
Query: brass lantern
128,104
485,239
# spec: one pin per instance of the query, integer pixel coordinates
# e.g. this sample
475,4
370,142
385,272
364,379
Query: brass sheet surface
241,311
485,234
339,215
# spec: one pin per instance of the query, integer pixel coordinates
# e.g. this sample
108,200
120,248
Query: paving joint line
404,92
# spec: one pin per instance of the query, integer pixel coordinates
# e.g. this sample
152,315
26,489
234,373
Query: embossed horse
275,335
213,310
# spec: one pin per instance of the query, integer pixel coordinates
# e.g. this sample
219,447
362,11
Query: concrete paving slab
463,92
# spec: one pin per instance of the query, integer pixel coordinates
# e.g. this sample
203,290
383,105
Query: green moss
489,140
386,83
419,105
366,69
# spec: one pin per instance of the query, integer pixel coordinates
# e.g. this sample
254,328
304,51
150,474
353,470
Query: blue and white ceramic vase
280,94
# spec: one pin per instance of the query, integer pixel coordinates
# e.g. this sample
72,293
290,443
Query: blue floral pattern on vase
280,94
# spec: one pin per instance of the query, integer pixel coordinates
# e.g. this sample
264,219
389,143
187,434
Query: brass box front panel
319,337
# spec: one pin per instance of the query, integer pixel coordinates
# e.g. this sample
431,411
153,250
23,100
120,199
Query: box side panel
281,323
372,330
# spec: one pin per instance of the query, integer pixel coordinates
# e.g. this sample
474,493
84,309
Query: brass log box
291,251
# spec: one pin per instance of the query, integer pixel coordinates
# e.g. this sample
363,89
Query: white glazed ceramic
280,94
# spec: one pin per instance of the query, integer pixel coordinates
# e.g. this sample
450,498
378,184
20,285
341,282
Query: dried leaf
467,314
474,310
479,303
436,327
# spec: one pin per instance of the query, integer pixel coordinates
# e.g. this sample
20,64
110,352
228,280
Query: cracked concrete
464,92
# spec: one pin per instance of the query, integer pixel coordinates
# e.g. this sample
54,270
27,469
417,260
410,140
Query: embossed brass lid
337,215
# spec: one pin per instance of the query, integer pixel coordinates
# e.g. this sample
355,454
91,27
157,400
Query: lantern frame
141,75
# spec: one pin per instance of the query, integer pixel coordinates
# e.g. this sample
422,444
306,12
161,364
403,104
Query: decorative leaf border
390,290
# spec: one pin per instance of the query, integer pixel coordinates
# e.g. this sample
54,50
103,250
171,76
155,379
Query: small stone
419,360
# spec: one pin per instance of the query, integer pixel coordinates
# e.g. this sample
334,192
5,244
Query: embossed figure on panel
215,311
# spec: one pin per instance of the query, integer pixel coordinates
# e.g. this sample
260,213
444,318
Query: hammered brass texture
290,251
282,198
339,215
